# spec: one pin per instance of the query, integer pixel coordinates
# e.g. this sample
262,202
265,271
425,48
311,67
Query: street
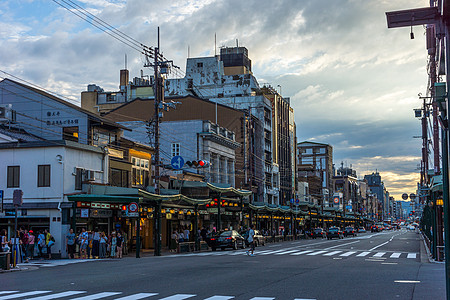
387,265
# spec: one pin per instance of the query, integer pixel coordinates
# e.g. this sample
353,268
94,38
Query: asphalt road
387,265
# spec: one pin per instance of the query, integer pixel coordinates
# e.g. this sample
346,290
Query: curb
430,260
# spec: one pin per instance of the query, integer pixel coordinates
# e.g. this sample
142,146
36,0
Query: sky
353,83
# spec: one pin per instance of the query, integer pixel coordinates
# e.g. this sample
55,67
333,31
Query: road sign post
17,201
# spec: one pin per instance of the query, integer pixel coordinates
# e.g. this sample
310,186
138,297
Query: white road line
411,255
137,296
395,255
178,297
378,246
341,245
301,252
24,295
286,252
238,253
8,292
262,298
98,296
317,253
332,253
220,298
348,253
379,254
362,254
272,252
58,295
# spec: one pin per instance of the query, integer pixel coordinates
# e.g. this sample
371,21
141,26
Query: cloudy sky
353,83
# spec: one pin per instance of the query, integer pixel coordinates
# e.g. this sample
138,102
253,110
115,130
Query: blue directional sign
297,201
292,200
177,162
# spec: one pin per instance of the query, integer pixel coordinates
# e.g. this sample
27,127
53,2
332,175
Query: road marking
265,251
341,245
395,255
8,292
348,253
262,298
371,259
24,295
58,295
178,297
407,281
98,296
411,255
317,253
303,299
362,254
273,252
301,252
379,254
137,296
332,253
385,263
220,298
286,252
390,240
238,253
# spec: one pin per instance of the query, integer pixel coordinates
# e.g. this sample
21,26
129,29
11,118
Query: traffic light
198,163
124,210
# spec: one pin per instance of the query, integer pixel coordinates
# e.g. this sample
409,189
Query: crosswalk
84,295
57,262
308,253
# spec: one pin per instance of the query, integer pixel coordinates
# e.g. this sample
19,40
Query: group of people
28,244
95,244
180,235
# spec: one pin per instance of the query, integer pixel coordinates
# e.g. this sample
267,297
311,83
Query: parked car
349,231
258,238
361,230
334,232
375,228
227,239
318,233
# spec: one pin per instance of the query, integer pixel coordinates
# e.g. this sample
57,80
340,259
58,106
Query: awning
104,198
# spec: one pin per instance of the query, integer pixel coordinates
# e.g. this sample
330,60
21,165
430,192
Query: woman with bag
49,241
103,243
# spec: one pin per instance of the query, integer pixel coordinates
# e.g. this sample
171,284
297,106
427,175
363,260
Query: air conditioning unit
7,114
89,175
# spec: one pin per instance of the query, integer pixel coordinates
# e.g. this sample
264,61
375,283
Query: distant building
377,187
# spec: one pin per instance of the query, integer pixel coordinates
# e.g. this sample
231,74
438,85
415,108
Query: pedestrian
83,242
251,233
186,233
173,241
3,241
70,243
30,245
95,243
113,244
89,247
24,243
41,243
180,236
119,244
102,245
49,242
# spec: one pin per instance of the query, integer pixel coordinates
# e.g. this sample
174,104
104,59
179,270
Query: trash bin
5,260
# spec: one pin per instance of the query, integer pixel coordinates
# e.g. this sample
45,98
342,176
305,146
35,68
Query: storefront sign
213,210
84,213
168,216
101,213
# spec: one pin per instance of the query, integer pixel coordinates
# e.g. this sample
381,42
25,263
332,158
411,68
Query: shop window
43,175
13,176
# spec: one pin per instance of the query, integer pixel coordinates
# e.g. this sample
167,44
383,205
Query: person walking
113,245
186,233
119,244
49,242
84,240
102,245
95,243
173,241
41,243
70,243
250,240
30,245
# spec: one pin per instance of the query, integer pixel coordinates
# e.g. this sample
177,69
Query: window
175,149
119,177
200,65
43,175
70,133
13,177
78,179
140,173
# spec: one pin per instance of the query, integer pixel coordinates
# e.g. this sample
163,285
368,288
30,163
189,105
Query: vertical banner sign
1,201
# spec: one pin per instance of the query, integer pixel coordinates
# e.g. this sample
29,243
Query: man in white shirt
250,240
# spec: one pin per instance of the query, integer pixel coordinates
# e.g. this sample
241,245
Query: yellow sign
168,216
439,202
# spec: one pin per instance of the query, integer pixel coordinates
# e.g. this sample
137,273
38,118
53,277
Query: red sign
133,207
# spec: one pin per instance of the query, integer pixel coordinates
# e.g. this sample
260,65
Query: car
361,230
375,228
258,238
317,233
227,239
349,231
334,232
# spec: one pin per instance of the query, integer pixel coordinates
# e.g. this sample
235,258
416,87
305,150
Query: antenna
125,61
237,43
189,51
215,44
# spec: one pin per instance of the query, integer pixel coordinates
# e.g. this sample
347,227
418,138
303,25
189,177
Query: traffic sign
133,207
177,162
412,196
133,214
297,201
292,200
336,200
405,196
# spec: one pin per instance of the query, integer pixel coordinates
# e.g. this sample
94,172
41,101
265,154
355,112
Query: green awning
104,198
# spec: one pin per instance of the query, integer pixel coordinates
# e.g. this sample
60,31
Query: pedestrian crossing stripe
296,252
4,295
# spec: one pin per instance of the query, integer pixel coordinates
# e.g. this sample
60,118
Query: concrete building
377,187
